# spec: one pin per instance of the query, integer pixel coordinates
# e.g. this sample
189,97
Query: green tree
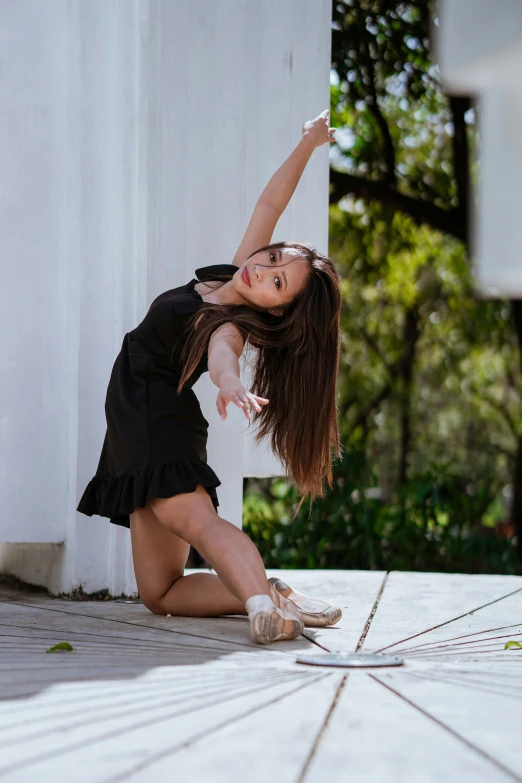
407,148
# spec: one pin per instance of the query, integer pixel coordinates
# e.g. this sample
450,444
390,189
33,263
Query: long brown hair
296,369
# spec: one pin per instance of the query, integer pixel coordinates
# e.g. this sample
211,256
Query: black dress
156,440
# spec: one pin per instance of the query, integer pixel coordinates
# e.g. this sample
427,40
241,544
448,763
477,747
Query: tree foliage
407,145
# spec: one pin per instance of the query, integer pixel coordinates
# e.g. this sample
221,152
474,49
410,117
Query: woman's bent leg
234,557
161,534
159,558
190,517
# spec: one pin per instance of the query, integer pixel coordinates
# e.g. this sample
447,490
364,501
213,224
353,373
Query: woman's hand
318,130
232,390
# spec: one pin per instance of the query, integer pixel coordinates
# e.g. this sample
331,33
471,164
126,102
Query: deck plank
117,618
425,606
267,745
495,725
376,736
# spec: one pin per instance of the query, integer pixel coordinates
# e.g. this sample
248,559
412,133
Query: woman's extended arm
281,186
224,349
275,197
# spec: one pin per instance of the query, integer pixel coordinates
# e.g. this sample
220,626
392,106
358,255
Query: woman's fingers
222,403
242,402
254,402
251,399
260,399
319,129
221,406
246,408
257,400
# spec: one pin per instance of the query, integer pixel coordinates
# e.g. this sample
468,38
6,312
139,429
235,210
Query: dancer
153,477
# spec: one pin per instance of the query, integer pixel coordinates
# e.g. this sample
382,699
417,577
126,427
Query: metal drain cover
350,660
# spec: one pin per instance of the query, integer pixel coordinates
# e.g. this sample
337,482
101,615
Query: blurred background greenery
430,386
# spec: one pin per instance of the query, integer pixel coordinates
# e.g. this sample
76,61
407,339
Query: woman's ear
276,312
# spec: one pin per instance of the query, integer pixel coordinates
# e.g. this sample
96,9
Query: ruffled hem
118,497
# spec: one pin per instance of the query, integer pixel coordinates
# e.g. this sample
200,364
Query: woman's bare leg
161,533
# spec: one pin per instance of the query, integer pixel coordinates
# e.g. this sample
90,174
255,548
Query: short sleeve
215,271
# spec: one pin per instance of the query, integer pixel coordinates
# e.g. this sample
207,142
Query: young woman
153,477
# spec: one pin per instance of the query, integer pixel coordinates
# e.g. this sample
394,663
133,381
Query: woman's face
272,278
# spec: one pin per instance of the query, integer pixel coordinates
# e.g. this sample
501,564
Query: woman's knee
154,603
159,558
154,600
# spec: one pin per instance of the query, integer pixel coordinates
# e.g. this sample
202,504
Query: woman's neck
223,294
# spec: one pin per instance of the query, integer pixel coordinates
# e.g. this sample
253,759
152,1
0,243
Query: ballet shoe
274,625
314,612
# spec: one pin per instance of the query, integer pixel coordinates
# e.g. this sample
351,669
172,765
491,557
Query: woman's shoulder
216,272
185,299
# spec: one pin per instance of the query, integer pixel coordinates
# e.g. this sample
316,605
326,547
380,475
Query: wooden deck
148,698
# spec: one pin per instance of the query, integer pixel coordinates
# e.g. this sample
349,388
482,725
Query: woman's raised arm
275,197
281,186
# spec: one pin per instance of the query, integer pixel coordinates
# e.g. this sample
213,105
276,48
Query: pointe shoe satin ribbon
314,612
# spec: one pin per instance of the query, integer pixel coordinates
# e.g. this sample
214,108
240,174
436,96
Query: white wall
136,138
479,47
